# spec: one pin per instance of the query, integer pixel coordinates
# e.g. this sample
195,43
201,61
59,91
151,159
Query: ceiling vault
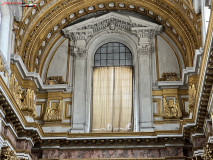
41,25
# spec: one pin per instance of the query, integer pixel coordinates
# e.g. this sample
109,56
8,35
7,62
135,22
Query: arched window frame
92,46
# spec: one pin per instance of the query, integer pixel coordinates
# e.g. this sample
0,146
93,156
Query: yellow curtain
112,99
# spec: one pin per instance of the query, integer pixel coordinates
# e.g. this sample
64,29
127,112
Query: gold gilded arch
42,25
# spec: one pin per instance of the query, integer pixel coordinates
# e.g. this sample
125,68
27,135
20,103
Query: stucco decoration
112,22
87,34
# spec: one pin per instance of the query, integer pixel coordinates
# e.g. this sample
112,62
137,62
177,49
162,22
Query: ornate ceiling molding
40,24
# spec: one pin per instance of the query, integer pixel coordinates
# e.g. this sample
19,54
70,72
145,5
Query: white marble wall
166,58
58,65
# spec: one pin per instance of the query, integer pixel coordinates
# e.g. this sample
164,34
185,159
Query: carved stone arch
86,37
97,41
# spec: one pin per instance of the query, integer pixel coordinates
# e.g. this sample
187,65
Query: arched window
112,89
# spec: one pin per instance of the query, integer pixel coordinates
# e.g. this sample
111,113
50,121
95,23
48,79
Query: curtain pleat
112,99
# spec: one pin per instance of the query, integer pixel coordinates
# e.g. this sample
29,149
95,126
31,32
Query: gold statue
171,110
53,112
12,83
192,95
2,69
18,93
29,103
208,153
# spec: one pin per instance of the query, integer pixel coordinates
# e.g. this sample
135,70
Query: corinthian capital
78,51
144,49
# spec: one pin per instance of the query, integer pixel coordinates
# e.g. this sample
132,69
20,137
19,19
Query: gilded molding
188,35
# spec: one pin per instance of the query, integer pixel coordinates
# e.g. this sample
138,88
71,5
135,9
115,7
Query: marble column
79,87
145,88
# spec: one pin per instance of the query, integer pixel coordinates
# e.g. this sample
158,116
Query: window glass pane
116,44
110,44
116,49
128,56
128,62
122,62
113,54
109,56
103,63
103,50
122,55
116,63
110,49
103,56
110,62
122,49
97,63
97,56
116,56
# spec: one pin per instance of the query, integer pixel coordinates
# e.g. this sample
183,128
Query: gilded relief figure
15,90
2,69
29,102
53,111
171,109
192,95
18,93
12,83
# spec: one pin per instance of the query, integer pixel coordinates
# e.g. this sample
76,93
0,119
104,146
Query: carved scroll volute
171,109
192,95
53,111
